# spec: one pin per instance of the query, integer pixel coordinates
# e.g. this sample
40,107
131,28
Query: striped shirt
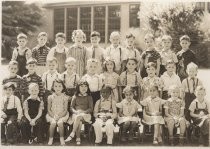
17,80
33,78
40,54
80,54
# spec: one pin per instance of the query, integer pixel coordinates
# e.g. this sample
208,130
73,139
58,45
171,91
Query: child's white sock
50,142
62,141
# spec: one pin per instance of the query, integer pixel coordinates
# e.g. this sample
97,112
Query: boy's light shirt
49,77
168,55
114,53
190,81
56,49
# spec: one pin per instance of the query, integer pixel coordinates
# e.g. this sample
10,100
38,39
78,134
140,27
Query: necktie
6,104
94,53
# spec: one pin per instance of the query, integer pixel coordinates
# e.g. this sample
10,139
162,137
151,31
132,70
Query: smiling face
52,65
115,40
79,38
60,41
21,42
31,68
129,95
70,66
170,68
9,91
105,93
34,91
151,71
110,66
95,40
131,66
167,44
185,44
175,92
153,92
130,42
13,69
58,87
83,89
200,94
92,67
42,40
192,72
149,42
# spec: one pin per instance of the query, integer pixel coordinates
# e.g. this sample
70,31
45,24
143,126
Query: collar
153,99
102,99
172,99
82,95
133,73
112,47
78,46
66,73
166,74
95,75
31,74
92,47
129,102
196,100
149,50
38,99
54,72
130,49
12,96
192,78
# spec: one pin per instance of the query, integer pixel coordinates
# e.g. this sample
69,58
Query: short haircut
21,36
128,89
95,34
192,65
185,37
32,85
76,32
200,88
70,59
90,61
61,35
173,87
51,59
130,35
170,62
149,36
115,34
13,62
166,37
42,34
31,61
9,85
151,64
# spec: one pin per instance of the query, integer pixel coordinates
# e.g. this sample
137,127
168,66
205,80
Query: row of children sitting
105,111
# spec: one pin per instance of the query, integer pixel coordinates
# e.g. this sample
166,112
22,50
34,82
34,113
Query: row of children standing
72,64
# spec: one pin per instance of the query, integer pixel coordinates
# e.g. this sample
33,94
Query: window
113,19
99,21
200,5
71,22
133,15
58,20
85,21
208,7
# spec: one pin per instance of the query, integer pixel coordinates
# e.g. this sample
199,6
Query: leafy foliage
18,17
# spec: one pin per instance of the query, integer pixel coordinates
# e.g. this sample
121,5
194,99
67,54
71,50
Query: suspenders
193,86
47,81
126,78
64,79
120,53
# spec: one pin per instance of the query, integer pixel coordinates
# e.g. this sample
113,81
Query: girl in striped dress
79,51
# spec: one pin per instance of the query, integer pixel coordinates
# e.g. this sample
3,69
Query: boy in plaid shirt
32,77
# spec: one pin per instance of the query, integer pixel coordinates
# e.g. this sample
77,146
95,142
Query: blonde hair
191,65
32,85
91,61
70,59
115,34
200,88
149,36
22,36
76,32
173,87
166,37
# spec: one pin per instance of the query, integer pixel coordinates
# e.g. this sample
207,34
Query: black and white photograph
105,73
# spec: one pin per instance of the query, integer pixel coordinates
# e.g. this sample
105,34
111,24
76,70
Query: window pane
71,22
200,5
85,21
133,15
99,21
58,20
113,19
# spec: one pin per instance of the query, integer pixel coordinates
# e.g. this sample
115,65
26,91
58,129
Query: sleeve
138,106
90,104
144,102
184,83
73,102
143,55
41,106
28,53
200,83
192,106
2,104
77,79
24,85
121,79
100,82
41,87
166,105
178,81
124,54
182,104
51,53
14,54
114,108
96,108
44,77
163,102
25,105
34,53
175,59
193,57
119,105
139,79
19,108
89,53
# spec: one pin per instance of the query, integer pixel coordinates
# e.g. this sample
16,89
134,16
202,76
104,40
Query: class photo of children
114,73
